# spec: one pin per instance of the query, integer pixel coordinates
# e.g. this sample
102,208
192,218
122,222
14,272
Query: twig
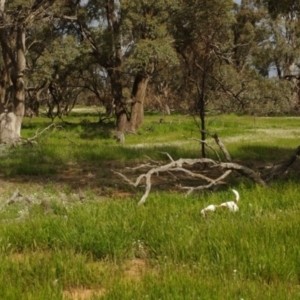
14,199
207,186
210,147
37,134
169,156
220,144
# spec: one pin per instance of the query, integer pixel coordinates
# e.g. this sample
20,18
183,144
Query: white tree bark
9,128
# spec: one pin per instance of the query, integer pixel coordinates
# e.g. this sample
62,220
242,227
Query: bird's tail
237,195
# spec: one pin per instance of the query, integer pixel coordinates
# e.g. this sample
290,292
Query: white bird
232,205
208,209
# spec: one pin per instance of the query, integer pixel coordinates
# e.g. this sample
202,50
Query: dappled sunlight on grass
81,235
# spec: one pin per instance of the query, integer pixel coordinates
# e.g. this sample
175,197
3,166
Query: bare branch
220,144
170,157
210,147
194,175
16,197
207,186
39,133
173,165
178,166
244,171
280,169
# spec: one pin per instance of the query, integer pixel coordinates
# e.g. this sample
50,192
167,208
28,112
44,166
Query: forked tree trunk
129,120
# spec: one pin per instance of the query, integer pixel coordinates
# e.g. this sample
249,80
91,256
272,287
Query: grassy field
77,232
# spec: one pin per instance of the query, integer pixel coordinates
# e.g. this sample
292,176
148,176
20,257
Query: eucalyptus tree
56,64
281,52
130,41
243,83
202,38
17,18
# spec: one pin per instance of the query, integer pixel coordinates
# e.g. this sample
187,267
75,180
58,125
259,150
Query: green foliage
148,53
147,22
255,94
57,58
147,19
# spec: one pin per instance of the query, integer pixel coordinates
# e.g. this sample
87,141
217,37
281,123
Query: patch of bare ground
98,179
82,293
136,268
23,257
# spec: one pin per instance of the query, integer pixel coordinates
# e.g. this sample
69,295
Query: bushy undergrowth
110,248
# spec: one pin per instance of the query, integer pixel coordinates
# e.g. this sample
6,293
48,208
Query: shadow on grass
87,166
97,130
263,154
88,129
92,167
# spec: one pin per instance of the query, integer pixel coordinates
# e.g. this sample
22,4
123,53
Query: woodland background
195,57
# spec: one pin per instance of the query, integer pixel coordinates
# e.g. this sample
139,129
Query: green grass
107,247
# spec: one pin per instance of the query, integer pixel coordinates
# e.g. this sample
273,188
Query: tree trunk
138,95
122,117
3,85
12,116
19,85
201,108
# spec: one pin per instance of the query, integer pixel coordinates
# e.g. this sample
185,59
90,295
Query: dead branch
281,168
210,147
247,172
16,197
142,166
182,164
39,133
220,144
207,186
160,169
179,166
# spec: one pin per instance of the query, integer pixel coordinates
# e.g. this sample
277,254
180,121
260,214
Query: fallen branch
179,166
39,133
16,197
173,165
247,172
281,168
207,186
184,165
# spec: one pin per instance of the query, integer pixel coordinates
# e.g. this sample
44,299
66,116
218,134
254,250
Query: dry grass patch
82,293
136,268
22,257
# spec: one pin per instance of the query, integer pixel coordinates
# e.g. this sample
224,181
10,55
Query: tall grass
109,248
252,254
